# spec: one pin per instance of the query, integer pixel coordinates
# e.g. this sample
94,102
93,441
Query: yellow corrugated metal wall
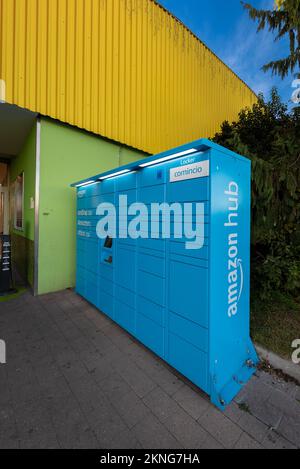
124,69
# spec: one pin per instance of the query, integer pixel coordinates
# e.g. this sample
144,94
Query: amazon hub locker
163,248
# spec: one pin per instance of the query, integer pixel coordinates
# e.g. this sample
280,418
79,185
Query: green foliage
275,321
270,136
284,20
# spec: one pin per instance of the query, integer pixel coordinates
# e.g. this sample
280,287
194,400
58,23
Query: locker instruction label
190,171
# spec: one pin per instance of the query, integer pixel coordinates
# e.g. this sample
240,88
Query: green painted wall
23,240
67,154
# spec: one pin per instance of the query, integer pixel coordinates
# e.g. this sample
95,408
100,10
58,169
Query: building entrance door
4,211
4,199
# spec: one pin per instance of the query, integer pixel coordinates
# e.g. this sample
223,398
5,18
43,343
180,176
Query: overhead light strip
144,165
170,157
86,183
118,173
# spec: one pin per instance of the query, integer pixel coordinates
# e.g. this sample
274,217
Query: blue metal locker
187,302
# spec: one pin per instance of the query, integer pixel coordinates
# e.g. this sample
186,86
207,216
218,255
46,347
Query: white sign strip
190,171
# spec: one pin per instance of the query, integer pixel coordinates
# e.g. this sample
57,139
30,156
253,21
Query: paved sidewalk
74,379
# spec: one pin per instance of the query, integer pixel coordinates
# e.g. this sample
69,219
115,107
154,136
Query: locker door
187,316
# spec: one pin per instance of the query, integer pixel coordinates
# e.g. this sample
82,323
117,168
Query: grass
275,324
11,296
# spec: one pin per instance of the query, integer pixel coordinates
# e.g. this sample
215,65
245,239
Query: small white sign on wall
2,91
190,171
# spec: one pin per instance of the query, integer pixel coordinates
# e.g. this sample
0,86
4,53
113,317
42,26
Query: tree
284,20
269,135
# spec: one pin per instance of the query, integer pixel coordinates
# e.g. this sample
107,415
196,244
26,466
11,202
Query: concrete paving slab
74,379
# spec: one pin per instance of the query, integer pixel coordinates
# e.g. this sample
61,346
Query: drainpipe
37,206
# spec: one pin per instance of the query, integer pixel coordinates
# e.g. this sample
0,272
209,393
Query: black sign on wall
6,283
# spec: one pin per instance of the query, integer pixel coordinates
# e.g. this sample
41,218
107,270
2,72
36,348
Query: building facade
88,85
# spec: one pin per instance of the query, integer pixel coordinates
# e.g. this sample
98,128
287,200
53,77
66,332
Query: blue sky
226,29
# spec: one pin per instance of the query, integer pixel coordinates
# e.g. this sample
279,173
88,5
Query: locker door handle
109,260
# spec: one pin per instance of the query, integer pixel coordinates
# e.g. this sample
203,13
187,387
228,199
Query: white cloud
245,51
